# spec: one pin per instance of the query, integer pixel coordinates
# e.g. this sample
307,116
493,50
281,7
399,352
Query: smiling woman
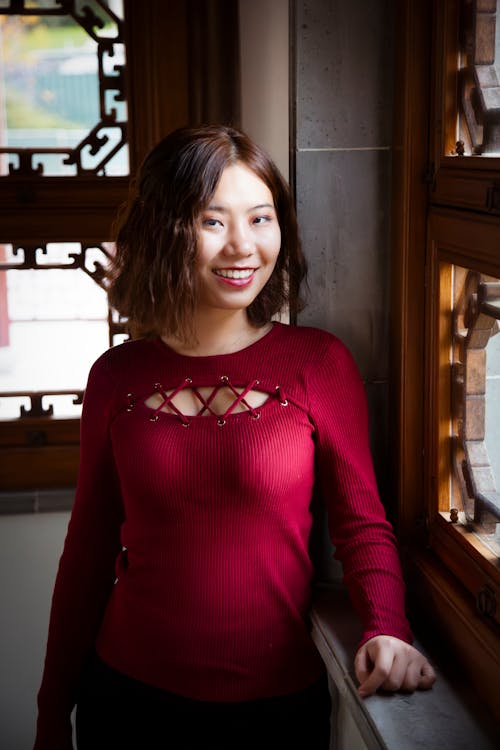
181,603
172,213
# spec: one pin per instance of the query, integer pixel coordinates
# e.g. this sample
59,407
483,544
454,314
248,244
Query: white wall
30,547
264,45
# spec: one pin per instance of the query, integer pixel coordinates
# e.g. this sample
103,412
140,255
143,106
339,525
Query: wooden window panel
454,239
173,75
39,452
475,501
39,447
457,180
88,108
457,184
36,449
442,214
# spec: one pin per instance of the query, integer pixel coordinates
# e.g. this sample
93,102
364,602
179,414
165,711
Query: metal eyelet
189,380
221,422
185,424
283,401
256,415
158,387
224,379
154,418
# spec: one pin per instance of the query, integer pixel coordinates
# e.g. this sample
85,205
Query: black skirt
116,711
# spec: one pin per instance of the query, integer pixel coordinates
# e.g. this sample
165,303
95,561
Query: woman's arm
363,538
85,575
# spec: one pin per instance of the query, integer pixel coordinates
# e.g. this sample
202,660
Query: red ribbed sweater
211,594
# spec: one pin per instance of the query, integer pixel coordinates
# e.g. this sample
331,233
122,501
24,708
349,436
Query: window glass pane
479,79
497,42
61,88
53,326
475,406
492,420
47,4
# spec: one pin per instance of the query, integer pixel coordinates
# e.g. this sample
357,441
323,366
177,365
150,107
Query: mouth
235,277
234,273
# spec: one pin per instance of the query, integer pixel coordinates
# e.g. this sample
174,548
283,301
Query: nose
239,240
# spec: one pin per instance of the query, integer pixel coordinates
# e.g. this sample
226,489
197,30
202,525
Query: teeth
230,273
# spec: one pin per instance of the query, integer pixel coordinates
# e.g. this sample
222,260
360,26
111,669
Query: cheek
272,260
207,248
273,245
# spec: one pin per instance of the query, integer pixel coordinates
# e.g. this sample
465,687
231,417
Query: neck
220,332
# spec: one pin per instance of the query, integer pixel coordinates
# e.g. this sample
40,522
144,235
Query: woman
180,605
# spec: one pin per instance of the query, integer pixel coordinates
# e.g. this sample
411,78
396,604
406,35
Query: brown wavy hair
152,278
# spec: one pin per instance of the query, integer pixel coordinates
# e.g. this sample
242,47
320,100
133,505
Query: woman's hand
391,664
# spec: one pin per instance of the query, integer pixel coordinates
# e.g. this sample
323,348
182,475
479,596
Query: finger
412,676
362,664
380,671
419,674
398,674
427,676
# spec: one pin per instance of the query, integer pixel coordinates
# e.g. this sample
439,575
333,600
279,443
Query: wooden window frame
451,240
461,182
431,191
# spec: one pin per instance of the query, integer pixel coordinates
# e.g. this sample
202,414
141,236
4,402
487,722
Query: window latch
486,602
493,197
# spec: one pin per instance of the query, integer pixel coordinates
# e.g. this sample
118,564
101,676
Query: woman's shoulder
314,344
313,357
125,357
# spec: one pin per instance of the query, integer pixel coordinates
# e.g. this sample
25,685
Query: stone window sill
447,716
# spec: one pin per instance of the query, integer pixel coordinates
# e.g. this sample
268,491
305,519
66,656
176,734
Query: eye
262,219
211,222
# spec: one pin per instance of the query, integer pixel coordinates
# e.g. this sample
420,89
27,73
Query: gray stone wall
343,71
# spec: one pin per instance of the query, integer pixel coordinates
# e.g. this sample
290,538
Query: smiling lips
235,276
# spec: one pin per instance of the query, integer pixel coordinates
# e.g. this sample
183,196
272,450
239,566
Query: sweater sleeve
86,569
363,538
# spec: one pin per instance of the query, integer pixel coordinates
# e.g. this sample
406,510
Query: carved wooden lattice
38,257
92,16
476,317
32,253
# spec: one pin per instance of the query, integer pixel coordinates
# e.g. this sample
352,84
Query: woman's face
239,241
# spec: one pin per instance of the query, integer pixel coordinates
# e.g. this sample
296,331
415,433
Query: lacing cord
224,382
167,401
239,398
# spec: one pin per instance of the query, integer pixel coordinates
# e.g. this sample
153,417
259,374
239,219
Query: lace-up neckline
205,402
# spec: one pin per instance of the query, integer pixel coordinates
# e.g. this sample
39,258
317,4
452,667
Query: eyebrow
223,210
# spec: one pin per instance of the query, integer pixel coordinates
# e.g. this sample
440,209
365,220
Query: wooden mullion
410,153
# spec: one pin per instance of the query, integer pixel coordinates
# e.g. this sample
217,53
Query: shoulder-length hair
152,277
